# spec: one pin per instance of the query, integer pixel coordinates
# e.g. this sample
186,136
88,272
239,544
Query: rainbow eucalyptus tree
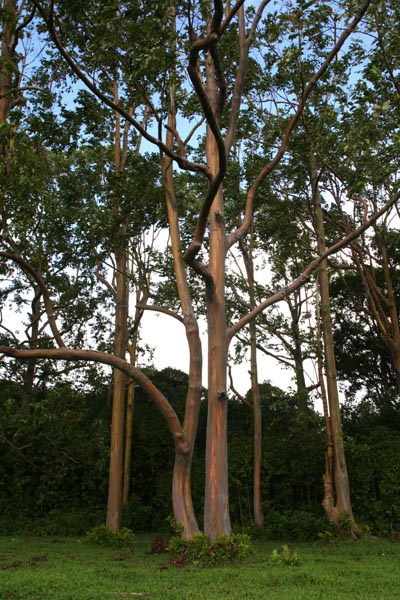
190,69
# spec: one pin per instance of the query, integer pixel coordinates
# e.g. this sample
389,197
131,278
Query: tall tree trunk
114,506
181,479
328,502
255,391
130,403
343,505
7,74
257,429
216,508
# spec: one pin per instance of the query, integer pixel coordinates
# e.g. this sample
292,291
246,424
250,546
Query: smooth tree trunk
7,64
114,505
257,430
216,508
342,511
255,392
328,502
181,479
130,404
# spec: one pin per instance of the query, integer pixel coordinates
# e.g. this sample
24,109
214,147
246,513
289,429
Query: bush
103,536
285,557
199,551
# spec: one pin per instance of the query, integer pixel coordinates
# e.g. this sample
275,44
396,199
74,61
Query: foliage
293,526
103,536
199,551
346,522
285,557
65,433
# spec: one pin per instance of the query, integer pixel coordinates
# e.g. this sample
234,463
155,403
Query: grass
69,569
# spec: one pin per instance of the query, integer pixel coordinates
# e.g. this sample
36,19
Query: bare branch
314,264
237,394
161,309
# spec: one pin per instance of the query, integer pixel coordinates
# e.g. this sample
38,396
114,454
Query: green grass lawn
70,569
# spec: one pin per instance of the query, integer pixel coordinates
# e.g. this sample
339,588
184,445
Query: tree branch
28,269
70,354
314,264
182,162
161,309
269,167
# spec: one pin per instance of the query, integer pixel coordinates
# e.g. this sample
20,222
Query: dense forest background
55,460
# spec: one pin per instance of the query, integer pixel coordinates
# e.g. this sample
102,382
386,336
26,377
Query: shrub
199,551
346,522
103,536
285,557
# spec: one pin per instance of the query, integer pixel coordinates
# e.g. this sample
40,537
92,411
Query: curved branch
70,354
181,161
230,16
234,390
161,309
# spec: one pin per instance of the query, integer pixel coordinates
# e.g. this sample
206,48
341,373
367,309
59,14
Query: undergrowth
199,551
103,536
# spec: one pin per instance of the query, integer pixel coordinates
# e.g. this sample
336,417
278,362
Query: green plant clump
199,551
103,536
285,557
346,522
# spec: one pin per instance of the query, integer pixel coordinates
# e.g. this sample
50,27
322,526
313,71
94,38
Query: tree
217,76
334,511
